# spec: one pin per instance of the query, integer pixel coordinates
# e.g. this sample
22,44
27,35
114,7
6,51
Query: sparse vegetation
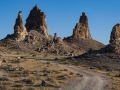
34,55
117,75
71,73
24,73
65,70
23,57
48,63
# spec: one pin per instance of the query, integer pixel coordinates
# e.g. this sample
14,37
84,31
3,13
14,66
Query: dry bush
117,75
65,70
71,73
48,63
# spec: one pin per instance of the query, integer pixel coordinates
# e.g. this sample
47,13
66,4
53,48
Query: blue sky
62,15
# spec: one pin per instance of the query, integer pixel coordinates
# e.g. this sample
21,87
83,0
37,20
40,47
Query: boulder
19,28
81,29
37,21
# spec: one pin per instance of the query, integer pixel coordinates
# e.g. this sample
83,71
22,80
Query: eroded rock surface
38,40
19,28
114,43
81,29
37,21
57,39
115,33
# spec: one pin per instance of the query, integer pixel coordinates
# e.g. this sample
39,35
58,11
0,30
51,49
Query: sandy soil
90,81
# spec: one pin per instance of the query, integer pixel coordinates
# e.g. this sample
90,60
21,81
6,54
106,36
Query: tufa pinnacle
37,21
81,29
114,43
115,33
19,29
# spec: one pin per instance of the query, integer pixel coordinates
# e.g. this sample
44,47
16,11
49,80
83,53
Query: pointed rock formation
114,43
37,21
115,33
57,39
81,29
19,28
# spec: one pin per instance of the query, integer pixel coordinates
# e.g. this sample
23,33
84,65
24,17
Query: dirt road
90,80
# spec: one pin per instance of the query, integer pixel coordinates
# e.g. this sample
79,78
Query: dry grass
113,76
115,79
34,72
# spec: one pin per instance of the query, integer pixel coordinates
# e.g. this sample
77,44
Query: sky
62,16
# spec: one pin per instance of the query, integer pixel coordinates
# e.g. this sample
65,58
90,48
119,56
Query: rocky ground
39,73
107,63
80,49
20,73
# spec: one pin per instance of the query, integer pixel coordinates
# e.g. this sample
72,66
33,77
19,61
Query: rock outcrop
114,43
81,29
19,28
56,39
115,33
37,21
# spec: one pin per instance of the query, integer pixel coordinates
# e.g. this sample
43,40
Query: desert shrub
76,64
65,70
30,89
18,85
16,61
50,79
26,72
56,58
23,57
71,73
45,55
77,74
65,63
45,74
4,79
5,83
34,55
117,75
2,87
62,77
28,81
47,62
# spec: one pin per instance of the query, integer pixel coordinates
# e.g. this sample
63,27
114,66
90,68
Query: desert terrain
32,59
28,72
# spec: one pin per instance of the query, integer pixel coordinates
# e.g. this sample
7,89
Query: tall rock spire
81,29
114,43
19,28
37,21
115,33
